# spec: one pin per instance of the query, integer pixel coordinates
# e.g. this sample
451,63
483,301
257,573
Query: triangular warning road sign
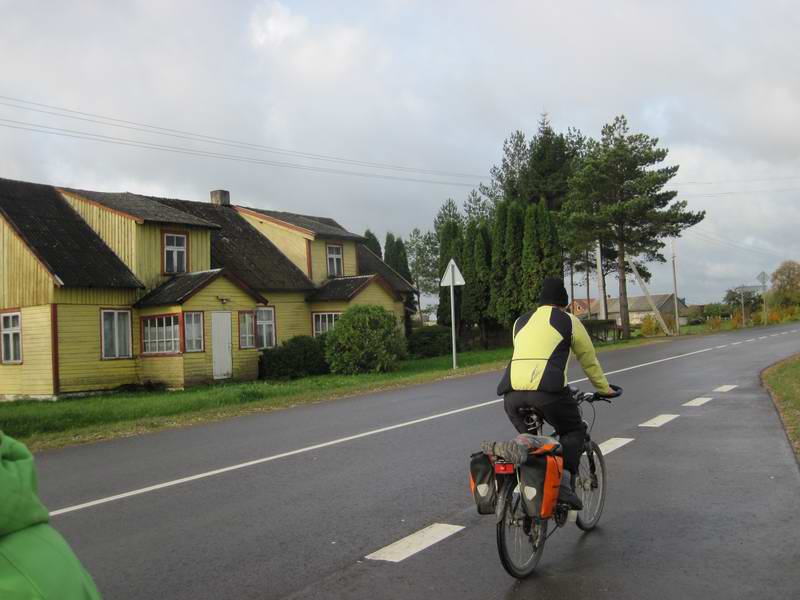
452,275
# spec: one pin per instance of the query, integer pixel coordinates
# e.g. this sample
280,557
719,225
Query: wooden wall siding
198,366
165,370
291,243
319,258
23,279
34,377
116,230
373,294
99,296
148,265
292,314
80,364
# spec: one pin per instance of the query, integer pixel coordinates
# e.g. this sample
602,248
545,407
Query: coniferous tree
372,243
511,305
551,251
498,260
531,280
450,247
618,194
469,296
389,250
482,260
423,258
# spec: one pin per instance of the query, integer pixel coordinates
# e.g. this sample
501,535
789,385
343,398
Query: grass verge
43,425
783,382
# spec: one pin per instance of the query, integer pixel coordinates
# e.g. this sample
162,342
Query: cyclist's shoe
512,452
566,492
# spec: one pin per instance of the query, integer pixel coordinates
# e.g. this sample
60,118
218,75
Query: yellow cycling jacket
542,342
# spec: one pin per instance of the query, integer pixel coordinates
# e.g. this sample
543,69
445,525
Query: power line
709,238
792,178
188,135
738,193
82,135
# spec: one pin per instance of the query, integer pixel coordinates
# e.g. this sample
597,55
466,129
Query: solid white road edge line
725,388
258,461
658,421
612,444
416,542
697,402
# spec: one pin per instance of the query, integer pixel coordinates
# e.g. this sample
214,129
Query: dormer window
174,253
335,268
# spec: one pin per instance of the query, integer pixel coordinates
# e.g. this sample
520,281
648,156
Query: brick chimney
221,197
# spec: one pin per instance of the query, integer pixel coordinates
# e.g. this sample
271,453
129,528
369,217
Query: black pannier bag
482,483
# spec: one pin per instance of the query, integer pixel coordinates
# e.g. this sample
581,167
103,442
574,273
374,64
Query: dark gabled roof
145,208
60,238
370,263
341,288
182,287
321,227
243,251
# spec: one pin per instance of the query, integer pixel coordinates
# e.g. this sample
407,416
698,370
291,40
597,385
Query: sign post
762,278
451,278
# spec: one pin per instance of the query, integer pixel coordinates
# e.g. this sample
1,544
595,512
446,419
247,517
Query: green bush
714,323
366,339
297,357
430,341
650,326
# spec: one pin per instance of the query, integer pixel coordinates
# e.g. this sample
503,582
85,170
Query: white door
221,345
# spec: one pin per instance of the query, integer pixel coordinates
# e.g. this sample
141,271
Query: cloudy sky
429,89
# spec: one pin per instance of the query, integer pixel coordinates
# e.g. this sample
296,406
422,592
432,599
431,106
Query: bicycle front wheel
520,539
590,485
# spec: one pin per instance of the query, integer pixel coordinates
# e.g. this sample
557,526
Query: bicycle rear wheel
520,539
590,485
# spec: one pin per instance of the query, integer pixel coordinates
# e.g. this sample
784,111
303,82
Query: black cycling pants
558,409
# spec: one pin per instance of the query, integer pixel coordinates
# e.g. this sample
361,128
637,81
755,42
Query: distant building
639,308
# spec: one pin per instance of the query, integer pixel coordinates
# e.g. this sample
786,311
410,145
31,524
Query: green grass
104,416
783,380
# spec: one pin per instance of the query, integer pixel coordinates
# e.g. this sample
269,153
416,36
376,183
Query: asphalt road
705,505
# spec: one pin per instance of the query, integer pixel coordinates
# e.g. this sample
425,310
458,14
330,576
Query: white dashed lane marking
416,542
658,421
697,402
784,332
763,337
775,335
735,343
725,388
751,340
723,346
612,444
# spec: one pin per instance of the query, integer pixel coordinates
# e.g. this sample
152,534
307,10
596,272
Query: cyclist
537,378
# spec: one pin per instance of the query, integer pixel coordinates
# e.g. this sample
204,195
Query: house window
116,334
161,335
265,327
247,331
335,261
174,253
193,331
11,328
324,322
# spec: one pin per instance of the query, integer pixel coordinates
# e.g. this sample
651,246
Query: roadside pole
675,291
601,284
762,278
451,278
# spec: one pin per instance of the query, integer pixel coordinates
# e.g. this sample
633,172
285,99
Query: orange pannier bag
540,479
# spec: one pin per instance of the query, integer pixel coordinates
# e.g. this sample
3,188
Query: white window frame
119,353
10,332
336,258
247,333
176,250
261,340
325,321
188,336
156,339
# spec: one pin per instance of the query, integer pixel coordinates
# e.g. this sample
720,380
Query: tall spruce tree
511,304
498,259
389,249
482,260
450,247
371,242
618,194
549,167
423,258
531,280
551,250
469,298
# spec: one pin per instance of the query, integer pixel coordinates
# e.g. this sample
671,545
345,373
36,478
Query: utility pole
762,278
601,284
675,291
741,293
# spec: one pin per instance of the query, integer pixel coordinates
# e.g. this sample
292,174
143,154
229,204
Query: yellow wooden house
104,290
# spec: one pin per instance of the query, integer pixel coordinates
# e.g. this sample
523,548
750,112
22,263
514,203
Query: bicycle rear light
504,468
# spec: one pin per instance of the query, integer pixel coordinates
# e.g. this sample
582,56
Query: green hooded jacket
36,563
